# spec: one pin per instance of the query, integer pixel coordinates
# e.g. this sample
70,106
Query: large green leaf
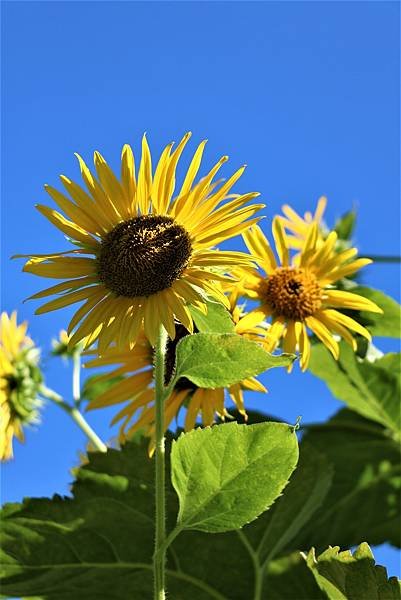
272,533
364,501
216,320
212,360
346,576
389,323
333,575
227,475
97,543
371,389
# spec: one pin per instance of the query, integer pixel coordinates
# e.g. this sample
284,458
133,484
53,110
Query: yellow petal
324,334
280,241
343,299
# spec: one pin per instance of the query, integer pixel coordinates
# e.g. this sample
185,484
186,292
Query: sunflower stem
76,415
159,557
76,378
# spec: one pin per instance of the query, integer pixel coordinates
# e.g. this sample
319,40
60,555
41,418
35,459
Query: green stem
258,569
159,557
383,259
76,378
76,415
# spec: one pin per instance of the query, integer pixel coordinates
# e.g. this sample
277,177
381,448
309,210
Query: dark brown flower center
293,293
143,256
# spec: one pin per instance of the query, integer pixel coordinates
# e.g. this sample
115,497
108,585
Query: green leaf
94,386
227,475
364,501
346,576
289,578
333,575
96,544
345,225
217,319
212,360
386,325
99,542
306,491
371,389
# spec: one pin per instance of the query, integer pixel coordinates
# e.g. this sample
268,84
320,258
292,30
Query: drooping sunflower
298,293
298,227
136,388
20,380
141,255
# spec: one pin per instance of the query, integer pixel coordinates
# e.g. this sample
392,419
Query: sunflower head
136,389
142,251
298,293
20,381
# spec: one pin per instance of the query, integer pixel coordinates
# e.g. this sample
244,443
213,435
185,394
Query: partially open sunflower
140,255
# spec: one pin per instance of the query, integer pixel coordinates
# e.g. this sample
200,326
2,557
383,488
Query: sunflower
136,389
298,226
140,255
20,380
298,295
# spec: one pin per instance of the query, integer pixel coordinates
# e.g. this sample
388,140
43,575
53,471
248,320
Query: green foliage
289,578
346,576
386,325
99,542
274,531
345,225
364,501
226,476
371,389
212,360
216,320
333,575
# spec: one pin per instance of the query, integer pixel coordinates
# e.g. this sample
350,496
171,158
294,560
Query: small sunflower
299,227
298,294
140,255
137,391
20,380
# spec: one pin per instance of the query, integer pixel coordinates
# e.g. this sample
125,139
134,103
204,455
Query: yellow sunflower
136,388
298,295
141,255
298,227
20,380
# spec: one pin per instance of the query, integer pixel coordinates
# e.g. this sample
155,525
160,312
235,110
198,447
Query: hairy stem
159,557
76,415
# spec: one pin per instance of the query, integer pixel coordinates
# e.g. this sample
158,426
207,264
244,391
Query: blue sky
305,93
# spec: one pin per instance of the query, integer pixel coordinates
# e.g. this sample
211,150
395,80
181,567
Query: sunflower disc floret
143,256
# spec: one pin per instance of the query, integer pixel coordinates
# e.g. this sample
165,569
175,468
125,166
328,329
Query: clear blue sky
305,93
